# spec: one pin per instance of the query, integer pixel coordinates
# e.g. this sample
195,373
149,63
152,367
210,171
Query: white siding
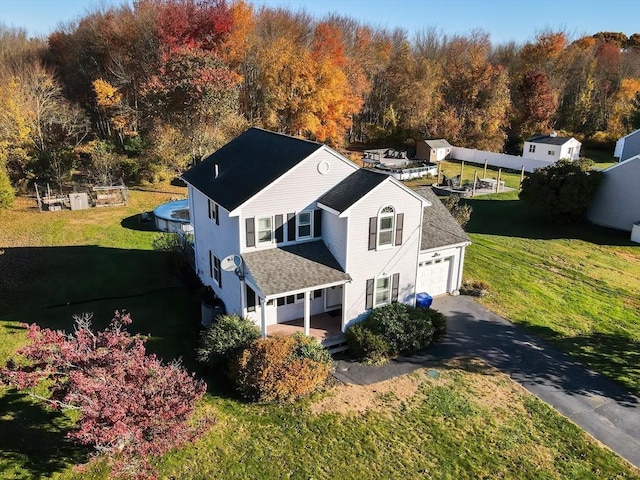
222,240
298,189
363,264
334,234
285,312
559,151
617,201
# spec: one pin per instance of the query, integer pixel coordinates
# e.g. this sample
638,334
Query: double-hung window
383,291
304,225
265,230
213,212
385,227
532,148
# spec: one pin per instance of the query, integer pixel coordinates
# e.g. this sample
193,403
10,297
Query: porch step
335,344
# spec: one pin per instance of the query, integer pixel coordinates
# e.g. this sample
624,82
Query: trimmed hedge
225,338
395,329
281,368
367,346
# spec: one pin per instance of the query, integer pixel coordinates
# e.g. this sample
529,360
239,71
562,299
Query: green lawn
472,422
578,286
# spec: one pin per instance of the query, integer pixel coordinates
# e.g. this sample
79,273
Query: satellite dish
231,263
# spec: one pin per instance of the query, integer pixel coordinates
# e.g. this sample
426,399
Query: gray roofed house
287,230
551,148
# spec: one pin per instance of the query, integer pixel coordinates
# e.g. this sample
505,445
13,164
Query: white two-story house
314,233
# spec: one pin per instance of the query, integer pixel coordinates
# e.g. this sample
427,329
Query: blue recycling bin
423,300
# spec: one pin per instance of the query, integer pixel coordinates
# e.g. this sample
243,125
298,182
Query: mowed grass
578,286
472,422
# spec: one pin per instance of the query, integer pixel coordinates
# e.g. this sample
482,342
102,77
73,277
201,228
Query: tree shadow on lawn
137,222
48,285
514,218
34,438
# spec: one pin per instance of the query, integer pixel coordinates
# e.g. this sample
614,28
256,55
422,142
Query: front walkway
600,406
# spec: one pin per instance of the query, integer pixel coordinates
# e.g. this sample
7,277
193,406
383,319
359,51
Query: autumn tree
475,93
130,404
535,103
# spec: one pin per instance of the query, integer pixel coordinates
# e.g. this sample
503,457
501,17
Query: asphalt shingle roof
352,189
294,267
247,164
439,228
438,143
549,140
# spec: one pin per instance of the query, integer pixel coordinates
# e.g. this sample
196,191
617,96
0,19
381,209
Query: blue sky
504,20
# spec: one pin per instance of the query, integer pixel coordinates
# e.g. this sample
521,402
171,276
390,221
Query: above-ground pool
173,216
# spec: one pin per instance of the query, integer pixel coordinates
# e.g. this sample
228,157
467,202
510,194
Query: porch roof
294,267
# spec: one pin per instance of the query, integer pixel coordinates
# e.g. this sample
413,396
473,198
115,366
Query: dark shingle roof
439,228
285,269
352,189
548,139
247,164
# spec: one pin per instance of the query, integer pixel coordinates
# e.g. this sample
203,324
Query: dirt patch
359,399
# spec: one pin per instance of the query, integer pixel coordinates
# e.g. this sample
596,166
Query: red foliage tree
131,404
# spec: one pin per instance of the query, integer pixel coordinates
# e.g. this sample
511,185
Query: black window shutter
215,208
279,229
250,228
317,223
209,207
291,226
369,297
210,264
395,283
373,231
399,225
219,271
251,298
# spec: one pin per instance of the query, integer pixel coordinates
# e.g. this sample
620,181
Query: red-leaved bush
131,404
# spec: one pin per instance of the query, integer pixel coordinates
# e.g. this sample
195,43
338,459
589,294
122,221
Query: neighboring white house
315,233
433,150
628,146
617,202
551,148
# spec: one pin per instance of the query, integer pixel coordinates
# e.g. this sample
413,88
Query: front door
334,297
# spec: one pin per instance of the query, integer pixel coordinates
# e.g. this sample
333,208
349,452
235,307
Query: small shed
433,150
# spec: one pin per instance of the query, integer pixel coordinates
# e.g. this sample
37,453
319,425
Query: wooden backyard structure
96,196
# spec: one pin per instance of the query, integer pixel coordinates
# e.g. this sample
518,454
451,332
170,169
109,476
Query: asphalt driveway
600,406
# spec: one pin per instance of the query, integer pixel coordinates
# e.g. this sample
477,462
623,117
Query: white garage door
433,276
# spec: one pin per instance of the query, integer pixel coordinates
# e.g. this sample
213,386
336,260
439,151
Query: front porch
325,327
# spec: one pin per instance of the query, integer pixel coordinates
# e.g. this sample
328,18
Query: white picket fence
501,160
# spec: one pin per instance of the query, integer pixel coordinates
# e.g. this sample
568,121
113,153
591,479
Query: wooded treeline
139,92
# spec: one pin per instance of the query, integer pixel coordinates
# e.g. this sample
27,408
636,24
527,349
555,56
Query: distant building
551,148
433,150
628,146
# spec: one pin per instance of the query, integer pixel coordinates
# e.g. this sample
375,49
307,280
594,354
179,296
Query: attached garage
434,276
442,248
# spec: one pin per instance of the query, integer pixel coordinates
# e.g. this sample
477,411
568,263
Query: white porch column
344,304
307,312
263,316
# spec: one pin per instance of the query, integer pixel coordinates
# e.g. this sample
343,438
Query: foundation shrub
281,368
